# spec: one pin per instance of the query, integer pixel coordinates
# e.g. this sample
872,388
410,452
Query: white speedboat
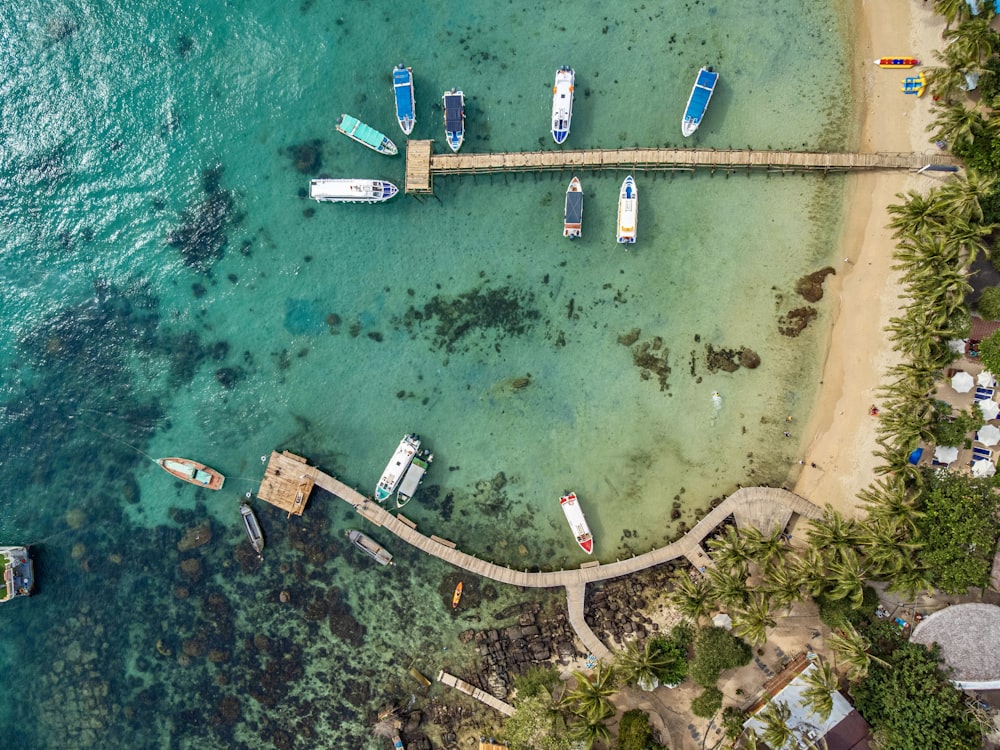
413,477
397,467
628,211
573,215
574,514
351,191
701,94
562,103
454,118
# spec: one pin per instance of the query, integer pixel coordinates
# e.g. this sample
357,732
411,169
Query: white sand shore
841,433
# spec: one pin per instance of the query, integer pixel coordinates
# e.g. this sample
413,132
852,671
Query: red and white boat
574,514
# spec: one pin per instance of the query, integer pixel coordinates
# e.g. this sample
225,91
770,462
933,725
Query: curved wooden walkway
422,164
760,507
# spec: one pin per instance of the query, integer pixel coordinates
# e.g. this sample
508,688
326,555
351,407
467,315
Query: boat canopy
401,81
453,113
364,133
702,93
574,208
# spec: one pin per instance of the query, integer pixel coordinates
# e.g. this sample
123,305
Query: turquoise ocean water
167,289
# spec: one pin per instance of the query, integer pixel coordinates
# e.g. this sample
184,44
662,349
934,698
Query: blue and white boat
454,118
351,190
701,94
402,85
397,467
628,211
562,103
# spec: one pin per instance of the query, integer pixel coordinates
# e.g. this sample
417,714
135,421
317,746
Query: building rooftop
969,637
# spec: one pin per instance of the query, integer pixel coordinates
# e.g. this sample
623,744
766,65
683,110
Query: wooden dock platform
422,164
288,481
483,697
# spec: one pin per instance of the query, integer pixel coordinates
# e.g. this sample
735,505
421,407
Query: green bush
635,733
954,430
536,679
675,648
708,703
715,650
732,722
988,305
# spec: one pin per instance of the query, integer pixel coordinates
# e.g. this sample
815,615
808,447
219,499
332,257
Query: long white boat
573,214
562,103
628,211
414,475
454,118
397,466
701,94
351,191
370,547
252,526
402,86
366,135
18,573
574,514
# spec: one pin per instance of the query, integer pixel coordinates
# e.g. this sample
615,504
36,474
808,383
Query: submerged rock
795,321
810,287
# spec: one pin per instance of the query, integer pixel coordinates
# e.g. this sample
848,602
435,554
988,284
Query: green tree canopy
989,352
535,726
913,706
988,306
708,703
959,530
715,650
635,733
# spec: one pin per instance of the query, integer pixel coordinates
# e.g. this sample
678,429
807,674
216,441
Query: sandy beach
841,434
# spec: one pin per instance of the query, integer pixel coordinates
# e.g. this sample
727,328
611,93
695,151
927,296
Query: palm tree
728,588
846,578
590,730
833,533
973,41
954,11
822,684
765,548
911,579
590,698
775,718
753,619
964,195
889,500
956,124
809,568
852,648
642,665
691,597
782,582
916,214
731,550
886,548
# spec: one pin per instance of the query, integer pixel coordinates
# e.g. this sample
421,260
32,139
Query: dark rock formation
810,287
795,321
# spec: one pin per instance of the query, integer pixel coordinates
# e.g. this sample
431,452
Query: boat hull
457,596
628,211
697,104
252,527
397,467
454,118
413,477
366,135
577,523
193,472
370,547
351,191
402,86
562,103
573,213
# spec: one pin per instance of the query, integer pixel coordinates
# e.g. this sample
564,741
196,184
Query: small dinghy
252,526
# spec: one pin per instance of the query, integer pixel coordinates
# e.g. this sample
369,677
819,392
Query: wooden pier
480,695
763,508
422,164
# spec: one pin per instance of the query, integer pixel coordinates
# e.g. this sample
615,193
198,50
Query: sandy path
841,434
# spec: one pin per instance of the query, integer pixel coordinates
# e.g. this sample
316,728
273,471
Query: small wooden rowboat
193,472
457,596
897,62
252,526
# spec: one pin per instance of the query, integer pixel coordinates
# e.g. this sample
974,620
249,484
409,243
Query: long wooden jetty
764,508
480,695
422,164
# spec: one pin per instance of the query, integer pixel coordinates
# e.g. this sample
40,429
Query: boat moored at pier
193,472
397,467
366,135
701,95
562,103
573,213
413,477
402,86
454,118
370,547
628,211
18,573
574,515
351,191
252,527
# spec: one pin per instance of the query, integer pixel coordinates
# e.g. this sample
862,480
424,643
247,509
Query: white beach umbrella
983,468
986,379
945,454
989,435
962,381
989,408
722,620
957,346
